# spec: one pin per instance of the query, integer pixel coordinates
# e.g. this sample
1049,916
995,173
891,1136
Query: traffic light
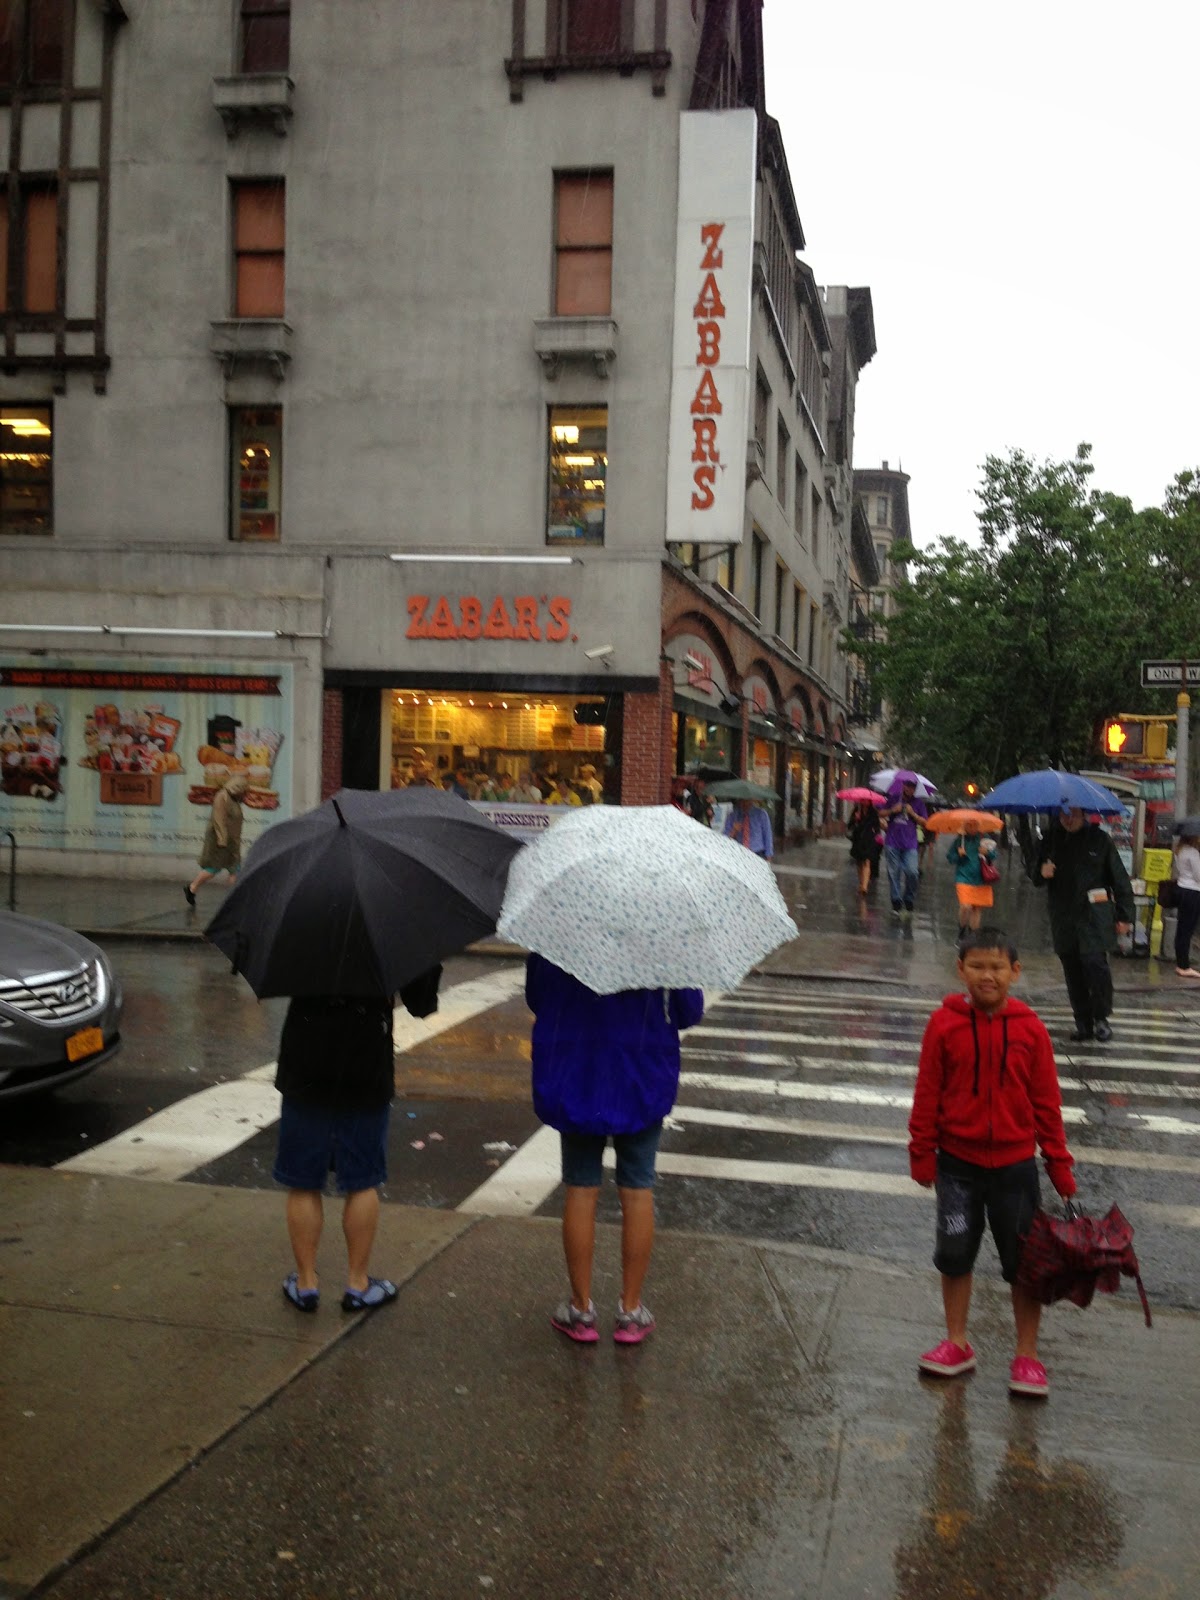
1135,738
972,791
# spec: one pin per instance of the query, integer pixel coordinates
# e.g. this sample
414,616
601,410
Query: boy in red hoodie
987,1093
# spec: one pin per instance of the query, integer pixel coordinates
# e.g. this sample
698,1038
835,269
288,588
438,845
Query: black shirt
335,1053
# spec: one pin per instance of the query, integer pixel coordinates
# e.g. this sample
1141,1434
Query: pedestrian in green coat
1090,902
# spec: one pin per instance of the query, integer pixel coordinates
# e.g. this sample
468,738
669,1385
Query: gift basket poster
104,756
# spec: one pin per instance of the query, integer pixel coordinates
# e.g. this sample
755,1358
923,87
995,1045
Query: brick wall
331,742
646,752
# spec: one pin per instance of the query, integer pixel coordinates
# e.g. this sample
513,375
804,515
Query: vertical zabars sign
710,379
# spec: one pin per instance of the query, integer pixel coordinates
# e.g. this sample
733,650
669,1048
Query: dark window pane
8,41
593,27
265,44
45,41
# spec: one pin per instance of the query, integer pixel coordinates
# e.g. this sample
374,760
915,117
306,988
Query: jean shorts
350,1144
967,1195
583,1157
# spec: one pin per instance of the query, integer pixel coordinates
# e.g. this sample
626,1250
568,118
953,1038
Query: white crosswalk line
860,1095
856,1133
206,1126
523,1183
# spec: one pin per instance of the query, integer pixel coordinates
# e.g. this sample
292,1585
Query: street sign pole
1183,712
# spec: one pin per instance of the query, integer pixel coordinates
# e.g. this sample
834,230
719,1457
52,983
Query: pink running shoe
1027,1376
631,1327
577,1325
948,1359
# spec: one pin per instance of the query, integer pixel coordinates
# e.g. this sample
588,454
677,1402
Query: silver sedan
60,1006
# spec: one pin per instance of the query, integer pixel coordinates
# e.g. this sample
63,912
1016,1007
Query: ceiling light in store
579,461
565,432
504,705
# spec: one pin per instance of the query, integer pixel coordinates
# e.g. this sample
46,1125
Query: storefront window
26,439
706,744
494,744
578,472
257,451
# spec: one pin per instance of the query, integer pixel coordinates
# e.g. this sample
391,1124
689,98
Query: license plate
84,1043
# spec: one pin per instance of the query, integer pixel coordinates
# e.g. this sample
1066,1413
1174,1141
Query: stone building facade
335,416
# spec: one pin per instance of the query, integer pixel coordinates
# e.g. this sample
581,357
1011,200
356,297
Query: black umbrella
1189,828
363,894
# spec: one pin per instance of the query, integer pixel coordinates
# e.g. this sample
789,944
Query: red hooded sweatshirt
987,1091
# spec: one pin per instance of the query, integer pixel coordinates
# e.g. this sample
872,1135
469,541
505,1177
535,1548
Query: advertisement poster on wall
104,755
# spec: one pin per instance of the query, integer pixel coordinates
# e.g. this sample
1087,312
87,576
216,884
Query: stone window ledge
559,339
254,97
246,343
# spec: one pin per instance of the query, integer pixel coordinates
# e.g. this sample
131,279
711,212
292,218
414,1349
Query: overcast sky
1019,186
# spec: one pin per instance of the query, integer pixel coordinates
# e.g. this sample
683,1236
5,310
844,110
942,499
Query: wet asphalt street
790,1124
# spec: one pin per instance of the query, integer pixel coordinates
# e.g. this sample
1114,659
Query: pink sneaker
948,1359
576,1324
1027,1376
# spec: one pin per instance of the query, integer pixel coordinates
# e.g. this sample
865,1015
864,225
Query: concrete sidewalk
173,1428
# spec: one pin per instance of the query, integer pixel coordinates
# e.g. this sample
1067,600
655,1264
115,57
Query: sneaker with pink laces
947,1359
1027,1376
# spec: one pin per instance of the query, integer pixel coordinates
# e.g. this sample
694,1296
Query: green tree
1008,655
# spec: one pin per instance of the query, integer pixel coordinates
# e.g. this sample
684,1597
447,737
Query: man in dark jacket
1091,902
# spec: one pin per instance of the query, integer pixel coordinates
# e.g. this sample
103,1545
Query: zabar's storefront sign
710,382
469,616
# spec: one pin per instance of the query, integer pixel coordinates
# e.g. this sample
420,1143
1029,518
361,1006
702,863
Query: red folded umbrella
1070,1258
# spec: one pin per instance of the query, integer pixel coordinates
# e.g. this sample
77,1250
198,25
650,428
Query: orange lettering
526,607
710,303
706,402
704,438
560,612
499,623
710,344
703,478
470,612
441,624
711,233
418,628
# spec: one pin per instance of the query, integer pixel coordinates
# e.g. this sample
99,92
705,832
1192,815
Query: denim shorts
583,1156
350,1144
967,1195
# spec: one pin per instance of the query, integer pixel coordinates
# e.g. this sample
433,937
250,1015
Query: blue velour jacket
604,1063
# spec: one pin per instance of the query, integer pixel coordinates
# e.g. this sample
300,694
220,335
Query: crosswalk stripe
1162,1035
1072,1069
798,1176
860,1095
855,1133
206,1126
523,1183
708,1030
856,1001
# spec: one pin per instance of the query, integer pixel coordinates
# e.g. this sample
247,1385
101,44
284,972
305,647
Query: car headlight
102,984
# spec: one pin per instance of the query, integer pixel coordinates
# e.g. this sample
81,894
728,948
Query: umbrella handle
1071,1210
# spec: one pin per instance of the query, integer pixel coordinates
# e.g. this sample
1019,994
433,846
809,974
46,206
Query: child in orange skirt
967,853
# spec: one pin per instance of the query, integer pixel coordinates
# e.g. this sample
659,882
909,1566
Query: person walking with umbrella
863,832
750,825
901,841
1091,902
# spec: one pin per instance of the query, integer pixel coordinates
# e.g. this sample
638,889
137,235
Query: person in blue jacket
605,1066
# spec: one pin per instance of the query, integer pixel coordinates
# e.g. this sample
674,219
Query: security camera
599,653
694,662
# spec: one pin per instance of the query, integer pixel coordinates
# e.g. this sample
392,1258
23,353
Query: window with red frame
583,244
29,274
258,240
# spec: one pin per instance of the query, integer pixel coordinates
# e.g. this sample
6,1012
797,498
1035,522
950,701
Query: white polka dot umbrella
643,897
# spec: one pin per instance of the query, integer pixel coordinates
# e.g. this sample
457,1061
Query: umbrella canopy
741,789
1069,1259
1188,828
1051,790
963,820
861,797
892,777
363,894
643,897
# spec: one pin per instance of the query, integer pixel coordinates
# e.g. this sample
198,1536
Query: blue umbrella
1052,790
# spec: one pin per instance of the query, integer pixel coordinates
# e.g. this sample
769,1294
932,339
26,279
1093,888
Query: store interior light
565,433
579,461
25,425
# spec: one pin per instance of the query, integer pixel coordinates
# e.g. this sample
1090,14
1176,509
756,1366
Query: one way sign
1169,674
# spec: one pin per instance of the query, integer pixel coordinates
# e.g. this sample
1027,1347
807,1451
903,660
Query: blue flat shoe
302,1299
379,1292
